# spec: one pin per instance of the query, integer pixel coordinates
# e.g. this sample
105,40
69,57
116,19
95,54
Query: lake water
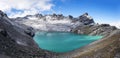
62,41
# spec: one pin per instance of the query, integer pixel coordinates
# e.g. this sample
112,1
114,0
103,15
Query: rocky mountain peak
2,14
86,19
38,15
85,14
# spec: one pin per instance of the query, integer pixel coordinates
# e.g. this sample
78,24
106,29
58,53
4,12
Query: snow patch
21,43
49,23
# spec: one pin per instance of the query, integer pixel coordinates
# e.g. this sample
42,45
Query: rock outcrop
16,40
86,19
102,29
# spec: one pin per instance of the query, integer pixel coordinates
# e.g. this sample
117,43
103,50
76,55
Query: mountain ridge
16,38
54,22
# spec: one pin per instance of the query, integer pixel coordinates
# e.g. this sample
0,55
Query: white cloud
27,6
116,23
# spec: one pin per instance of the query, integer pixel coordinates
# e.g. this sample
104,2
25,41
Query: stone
104,25
15,42
30,31
103,29
70,16
86,19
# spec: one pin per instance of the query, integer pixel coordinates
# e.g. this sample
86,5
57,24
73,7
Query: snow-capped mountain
54,22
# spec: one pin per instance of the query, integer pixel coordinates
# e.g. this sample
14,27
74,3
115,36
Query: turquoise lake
62,41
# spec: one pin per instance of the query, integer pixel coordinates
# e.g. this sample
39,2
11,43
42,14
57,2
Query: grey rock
104,25
38,15
86,19
30,31
16,40
70,16
103,29
117,55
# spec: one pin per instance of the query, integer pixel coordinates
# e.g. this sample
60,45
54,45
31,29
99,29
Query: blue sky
103,11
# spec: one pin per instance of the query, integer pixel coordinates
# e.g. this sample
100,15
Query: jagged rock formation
86,19
54,22
16,40
103,29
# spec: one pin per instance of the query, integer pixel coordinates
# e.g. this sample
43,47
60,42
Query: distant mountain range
54,22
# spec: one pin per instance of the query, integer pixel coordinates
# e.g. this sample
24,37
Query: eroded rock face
103,29
16,40
14,31
86,19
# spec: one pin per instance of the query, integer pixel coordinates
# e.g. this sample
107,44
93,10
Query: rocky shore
16,36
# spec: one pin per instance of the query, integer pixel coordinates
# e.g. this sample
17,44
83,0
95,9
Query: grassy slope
106,47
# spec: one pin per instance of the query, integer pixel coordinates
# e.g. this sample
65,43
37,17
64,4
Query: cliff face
16,40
